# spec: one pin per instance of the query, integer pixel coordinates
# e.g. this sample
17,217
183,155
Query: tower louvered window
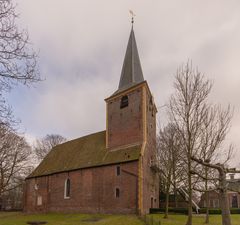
124,101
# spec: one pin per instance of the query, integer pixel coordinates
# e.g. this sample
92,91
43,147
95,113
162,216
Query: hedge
185,210
219,211
170,209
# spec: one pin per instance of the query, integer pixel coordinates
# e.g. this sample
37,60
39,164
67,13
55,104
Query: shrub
170,209
219,211
212,211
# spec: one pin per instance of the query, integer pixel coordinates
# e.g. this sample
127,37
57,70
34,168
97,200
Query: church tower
131,112
131,121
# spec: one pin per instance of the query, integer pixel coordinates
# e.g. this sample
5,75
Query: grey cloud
82,45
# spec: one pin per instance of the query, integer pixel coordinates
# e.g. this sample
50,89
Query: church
112,171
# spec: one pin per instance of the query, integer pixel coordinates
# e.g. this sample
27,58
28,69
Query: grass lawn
18,218
197,219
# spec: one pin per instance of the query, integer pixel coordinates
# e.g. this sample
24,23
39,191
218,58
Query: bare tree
222,186
214,130
14,159
187,109
44,145
17,60
168,147
201,126
18,65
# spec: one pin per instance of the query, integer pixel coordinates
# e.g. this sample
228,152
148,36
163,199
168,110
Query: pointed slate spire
131,71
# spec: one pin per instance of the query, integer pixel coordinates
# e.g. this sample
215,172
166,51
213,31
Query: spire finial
133,15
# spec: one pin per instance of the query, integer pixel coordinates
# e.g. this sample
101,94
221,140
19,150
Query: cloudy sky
81,47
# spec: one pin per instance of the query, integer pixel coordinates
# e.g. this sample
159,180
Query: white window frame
39,200
65,189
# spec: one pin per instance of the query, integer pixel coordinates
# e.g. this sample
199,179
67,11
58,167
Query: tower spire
131,70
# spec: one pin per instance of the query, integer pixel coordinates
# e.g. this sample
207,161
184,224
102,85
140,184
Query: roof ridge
85,136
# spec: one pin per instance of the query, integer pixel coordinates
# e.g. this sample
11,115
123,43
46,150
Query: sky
81,47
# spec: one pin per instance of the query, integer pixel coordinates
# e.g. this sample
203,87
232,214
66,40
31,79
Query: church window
67,188
117,193
39,200
124,102
215,203
118,170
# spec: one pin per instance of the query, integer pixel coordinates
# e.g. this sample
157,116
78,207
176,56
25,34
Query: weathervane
133,15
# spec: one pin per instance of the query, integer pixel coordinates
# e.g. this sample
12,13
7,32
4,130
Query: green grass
17,218
197,219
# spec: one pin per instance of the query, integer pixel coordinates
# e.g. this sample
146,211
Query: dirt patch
92,219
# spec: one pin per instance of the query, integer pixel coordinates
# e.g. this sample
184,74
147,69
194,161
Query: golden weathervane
133,15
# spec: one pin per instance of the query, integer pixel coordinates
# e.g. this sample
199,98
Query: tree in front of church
170,163
214,130
190,111
45,144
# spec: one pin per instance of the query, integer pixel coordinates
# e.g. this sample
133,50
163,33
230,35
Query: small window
39,200
67,188
117,193
124,102
118,171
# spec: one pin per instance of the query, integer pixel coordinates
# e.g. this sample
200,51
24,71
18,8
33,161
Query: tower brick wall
125,125
133,124
150,177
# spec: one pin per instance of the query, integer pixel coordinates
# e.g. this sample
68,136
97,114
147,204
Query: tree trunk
174,182
207,196
207,208
167,194
175,196
189,220
167,205
226,219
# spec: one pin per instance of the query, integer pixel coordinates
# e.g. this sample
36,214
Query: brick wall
214,201
125,124
150,178
92,191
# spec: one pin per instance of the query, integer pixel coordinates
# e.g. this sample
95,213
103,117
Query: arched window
67,188
124,102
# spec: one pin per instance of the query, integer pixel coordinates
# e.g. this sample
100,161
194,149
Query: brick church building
112,171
